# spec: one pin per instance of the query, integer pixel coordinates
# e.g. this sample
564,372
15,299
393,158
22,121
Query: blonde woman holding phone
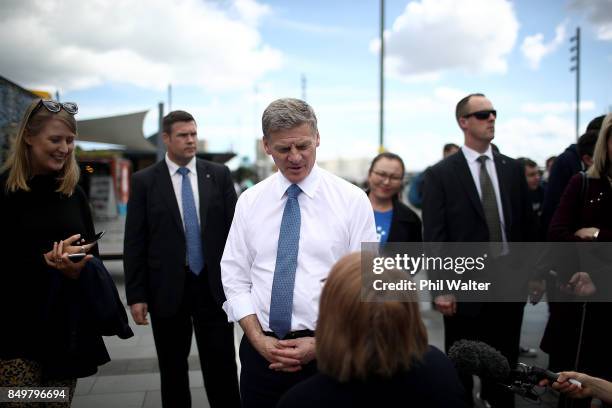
45,219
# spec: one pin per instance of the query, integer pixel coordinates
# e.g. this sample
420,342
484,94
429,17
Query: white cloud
73,44
434,36
600,15
556,107
311,28
534,48
537,139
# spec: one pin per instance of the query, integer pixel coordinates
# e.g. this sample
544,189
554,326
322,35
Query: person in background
45,216
533,177
395,222
373,353
415,193
577,157
478,195
549,163
584,215
178,217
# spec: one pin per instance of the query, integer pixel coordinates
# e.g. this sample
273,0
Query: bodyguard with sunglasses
44,215
478,195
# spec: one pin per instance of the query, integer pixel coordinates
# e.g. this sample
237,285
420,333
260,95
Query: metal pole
304,87
169,97
381,145
576,58
577,83
161,148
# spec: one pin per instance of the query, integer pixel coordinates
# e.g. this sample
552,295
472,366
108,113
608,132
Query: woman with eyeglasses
395,222
44,216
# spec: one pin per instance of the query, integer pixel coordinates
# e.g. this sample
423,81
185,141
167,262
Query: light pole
381,135
576,59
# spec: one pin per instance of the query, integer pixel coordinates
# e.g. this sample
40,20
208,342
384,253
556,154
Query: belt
293,335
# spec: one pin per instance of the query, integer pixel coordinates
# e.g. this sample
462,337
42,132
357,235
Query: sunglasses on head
482,115
55,106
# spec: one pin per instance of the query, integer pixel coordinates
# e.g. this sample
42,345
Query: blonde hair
601,159
19,161
359,339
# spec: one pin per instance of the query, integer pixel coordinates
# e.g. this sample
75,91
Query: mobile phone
96,238
77,257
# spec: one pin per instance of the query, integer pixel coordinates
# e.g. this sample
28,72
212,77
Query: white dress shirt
177,184
472,156
336,217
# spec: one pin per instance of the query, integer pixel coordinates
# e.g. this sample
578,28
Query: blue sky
228,59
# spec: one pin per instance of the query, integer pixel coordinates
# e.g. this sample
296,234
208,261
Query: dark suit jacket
405,224
452,210
155,247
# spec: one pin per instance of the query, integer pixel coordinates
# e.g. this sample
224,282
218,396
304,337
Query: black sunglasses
55,106
482,115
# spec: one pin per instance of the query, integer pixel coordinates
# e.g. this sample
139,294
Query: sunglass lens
484,115
52,106
70,107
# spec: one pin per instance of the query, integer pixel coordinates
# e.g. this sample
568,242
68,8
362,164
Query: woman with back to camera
395,221
373,353
44,216
585,215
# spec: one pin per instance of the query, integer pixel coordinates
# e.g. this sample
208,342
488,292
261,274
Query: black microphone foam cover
475,357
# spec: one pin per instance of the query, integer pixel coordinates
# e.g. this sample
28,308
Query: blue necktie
195,256
281,303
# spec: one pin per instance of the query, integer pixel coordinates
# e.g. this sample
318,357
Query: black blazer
155,249
405,224
430,382
452,210
78,313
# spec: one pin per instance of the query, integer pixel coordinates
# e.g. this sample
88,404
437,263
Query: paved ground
131,379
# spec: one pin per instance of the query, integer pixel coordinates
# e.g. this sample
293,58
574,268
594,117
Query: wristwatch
596,234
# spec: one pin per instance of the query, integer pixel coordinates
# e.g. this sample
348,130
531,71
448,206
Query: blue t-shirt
383,224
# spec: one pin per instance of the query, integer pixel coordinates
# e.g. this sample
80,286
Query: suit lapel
204,191
167,192
464,175
504,179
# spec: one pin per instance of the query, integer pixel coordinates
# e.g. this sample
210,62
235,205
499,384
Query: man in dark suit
179,214
477,195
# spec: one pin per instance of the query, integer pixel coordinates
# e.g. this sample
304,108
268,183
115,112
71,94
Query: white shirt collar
173,167
308,186
472,155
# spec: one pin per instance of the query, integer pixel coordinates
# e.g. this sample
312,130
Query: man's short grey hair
288,113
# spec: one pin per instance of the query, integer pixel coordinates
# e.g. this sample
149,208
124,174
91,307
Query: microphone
478,358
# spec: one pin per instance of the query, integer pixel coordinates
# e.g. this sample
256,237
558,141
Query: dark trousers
215,340
261,387
498,325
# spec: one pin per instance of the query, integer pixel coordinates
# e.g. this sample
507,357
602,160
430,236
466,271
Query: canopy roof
123,130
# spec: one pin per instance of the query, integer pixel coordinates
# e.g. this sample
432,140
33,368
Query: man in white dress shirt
310,219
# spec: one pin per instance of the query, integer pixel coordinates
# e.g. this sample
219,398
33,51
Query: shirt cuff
238,307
